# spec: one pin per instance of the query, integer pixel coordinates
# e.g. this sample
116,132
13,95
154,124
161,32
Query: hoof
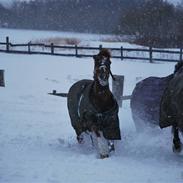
102,156
80,139
177,148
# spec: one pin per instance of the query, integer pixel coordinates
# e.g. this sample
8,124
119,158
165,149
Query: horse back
73,99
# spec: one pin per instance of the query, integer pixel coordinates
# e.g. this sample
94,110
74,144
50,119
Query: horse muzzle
103,81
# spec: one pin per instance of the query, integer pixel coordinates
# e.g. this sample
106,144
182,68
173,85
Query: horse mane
178,66
104,52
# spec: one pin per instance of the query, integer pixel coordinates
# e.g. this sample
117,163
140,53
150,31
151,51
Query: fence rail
2,82
148,54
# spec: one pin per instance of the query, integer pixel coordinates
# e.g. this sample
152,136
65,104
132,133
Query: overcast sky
8,2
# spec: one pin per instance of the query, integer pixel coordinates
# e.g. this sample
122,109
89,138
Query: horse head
102,64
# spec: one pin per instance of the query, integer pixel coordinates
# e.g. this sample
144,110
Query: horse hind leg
177,145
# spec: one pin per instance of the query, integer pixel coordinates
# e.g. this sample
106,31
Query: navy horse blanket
171,108
83,113
147,98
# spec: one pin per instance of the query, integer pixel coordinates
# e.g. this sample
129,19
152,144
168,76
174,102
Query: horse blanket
83,114
171,108
146,99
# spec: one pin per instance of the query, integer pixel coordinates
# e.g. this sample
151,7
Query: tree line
101,16
153,22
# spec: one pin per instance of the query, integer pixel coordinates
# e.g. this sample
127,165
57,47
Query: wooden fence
147,54
2,82
117,90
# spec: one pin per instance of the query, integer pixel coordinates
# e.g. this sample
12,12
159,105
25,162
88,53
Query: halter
103,61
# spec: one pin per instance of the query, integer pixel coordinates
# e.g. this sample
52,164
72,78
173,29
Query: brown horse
93,108
171,107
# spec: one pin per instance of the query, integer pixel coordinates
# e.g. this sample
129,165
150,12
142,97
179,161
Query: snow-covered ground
29,35
37,142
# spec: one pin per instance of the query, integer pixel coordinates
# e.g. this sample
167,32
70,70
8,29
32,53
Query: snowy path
31,122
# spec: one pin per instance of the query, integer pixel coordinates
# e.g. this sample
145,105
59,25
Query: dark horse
93,108
159,101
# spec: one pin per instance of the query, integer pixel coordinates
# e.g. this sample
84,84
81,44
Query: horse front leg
177,145
111,145
102,143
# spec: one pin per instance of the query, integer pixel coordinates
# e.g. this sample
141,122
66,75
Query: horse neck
102,97
99,89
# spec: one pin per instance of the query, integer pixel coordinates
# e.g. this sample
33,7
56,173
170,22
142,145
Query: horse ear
178,66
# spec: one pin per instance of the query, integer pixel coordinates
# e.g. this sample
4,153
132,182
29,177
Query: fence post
117,88
121,53
7,44
150,54
29,49
180,54
2,83
76,50
52,48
